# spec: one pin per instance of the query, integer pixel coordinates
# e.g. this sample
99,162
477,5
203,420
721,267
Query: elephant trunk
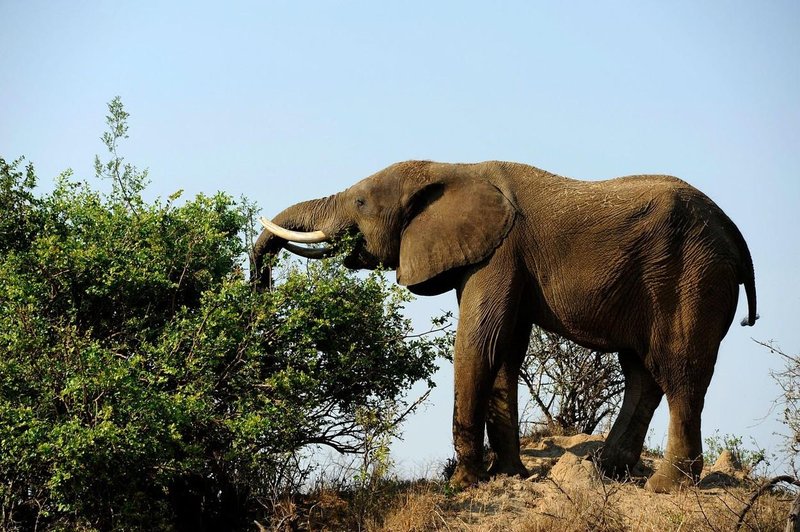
306,216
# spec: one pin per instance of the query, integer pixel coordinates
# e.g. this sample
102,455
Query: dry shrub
325,509
328,510
574,388
388,505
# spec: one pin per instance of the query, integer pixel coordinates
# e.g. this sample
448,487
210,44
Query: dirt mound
566,492
727,463
555,446
566,459
726,471
542,455
574,470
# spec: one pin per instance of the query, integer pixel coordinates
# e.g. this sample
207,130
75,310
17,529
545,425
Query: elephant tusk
294,236
309,253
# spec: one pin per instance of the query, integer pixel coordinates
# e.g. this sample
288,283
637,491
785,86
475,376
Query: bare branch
765,488
575,387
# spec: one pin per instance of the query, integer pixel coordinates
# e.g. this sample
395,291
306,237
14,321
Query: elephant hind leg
624,443
502,420
502,425
685,387
683,459
488,316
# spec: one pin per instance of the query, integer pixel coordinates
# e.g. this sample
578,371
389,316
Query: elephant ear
453,224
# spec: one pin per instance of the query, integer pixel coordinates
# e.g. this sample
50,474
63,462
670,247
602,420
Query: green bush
145,385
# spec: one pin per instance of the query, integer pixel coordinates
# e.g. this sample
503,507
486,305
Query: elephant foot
660,484
615,462
466,477
670,477
513,468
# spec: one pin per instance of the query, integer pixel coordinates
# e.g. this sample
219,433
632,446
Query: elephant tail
750,290
746,277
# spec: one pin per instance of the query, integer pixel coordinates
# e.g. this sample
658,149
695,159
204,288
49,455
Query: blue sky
284,101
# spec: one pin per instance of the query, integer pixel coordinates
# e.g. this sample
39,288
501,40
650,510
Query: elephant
646,266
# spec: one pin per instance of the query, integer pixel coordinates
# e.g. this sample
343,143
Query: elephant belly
600,317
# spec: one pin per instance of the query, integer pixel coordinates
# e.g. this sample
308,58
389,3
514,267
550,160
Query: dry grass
417,511
618,507
516,505
574,498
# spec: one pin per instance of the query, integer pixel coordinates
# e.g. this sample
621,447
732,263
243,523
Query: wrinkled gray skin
646,266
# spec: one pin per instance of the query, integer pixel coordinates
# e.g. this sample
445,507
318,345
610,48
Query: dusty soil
565,492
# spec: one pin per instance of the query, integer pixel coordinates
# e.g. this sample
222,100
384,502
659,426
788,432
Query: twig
399,419
774,349
765,488
696,492
558,486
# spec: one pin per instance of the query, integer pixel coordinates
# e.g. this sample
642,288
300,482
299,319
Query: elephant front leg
472,387
487,316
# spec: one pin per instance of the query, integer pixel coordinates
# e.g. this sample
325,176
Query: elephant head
422,219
